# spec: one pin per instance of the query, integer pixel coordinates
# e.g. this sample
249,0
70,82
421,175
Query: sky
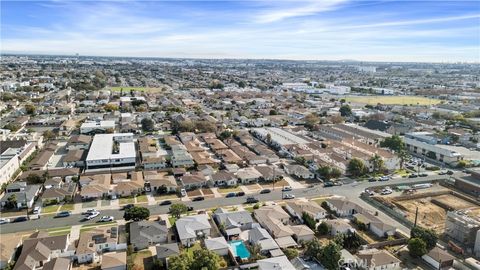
387,30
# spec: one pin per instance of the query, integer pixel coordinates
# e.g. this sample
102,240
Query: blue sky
427,31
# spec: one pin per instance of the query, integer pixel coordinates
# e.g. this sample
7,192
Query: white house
190,228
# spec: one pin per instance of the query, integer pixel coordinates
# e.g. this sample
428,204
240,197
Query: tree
350,241
345,110
180,262
356,167
328,172
309,220
30,109
462,164
205,259
402,156
147,124
241,84
313,249
429,236
377,163
11,201
291,253
34,179
323,228
417,247
394,143
255,252
13,127
177,209
311,120
331,255
110,107
136,213
49,135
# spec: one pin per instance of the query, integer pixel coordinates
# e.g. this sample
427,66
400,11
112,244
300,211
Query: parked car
89,211
442,172
92,215
19,219
128,206
422,174
449,172
189,208
167,202
240,194
199,198
230,195
63,214
385,178
265,191
37,210
106,219
251,200
4,220
369,192
287,196
372,179
287,188
328,184
386,191
413,175
337,183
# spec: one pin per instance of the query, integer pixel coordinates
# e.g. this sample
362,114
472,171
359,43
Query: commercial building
111,151
96,127
424,143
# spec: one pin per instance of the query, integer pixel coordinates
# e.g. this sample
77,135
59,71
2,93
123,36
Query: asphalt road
351,191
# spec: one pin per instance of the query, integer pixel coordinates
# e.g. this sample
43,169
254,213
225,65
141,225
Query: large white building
96,127
424,143
112,151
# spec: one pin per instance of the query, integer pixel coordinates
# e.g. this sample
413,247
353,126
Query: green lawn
392,100
67,207
89,204
126,89
172,220
105,203
228,190
57,233
402,172
50,209
96,225
142,199
126,200
249,209
59,229
319,200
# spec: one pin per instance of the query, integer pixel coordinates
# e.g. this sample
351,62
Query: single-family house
190,228
114,261
224,178
192,181
375,259
299,171
218,245
147,233
439,258
297,207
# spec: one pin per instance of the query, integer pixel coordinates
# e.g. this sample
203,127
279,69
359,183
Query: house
339,226
42,160
299,171
302,233
25,195
296,208
189,228
159,181
91,244
40,248
269,172
79,142
375,225
275,263
67,127
114,261
224,178
343,207
233,223
97,127
218,245
439,258
259,236
59,194
74,158
274,219
8,249
180,156
58,264
95,186
147,233
375,259
192,181
248,175
164,251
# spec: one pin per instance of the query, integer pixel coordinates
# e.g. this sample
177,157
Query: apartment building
111,151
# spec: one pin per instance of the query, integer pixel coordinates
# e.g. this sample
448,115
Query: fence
389,211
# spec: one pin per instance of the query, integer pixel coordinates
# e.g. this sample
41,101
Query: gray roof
167,250
29,192
188,226
216,243
256,234
141,231
233,219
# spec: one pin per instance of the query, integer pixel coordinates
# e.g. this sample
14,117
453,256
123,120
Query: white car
106,219
92,215
4,220
287,188
288,196
37,210
386,191
89,211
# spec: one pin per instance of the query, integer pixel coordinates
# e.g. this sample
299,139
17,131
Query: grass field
392,100
142,199
50,209
141,89
126,200
67,207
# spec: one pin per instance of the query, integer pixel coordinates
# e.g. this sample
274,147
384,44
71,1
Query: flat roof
102,146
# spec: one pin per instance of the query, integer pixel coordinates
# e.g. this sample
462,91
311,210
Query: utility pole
416,216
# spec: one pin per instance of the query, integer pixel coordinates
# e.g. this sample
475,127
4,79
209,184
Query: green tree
11,201
313,249
49,135
429,236
225,135
356,167
331,255
309,220
462,164
12,127
311,120
110,107
255,251
377,163
345,110
394,143
205,259
291,253
350,241
177,209
402,156
136,213
328,172
417,247
180,262
30,109
34,179
147,124
323,228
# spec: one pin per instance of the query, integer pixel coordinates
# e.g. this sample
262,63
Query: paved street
351,191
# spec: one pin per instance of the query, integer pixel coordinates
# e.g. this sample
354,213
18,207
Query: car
369,192
199,198
287,188
251,200
372,179
385,178
189,208
413,175
423,174
37,210
19,219
92,215
128,206
240,194
148,189
410,167
287,196
4,220
449,172
337,183
106,219
328,184
89,211
265,191
442,172
167,202
386,191
230,195
63,214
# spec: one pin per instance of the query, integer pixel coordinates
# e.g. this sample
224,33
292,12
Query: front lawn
230,189
142,199
50,209
67,207
165,197
126,200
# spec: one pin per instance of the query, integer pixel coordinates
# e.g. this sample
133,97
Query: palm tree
377,162
402,155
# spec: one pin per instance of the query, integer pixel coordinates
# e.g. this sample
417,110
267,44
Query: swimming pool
239,249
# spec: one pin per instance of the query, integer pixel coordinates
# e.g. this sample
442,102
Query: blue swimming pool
239,249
